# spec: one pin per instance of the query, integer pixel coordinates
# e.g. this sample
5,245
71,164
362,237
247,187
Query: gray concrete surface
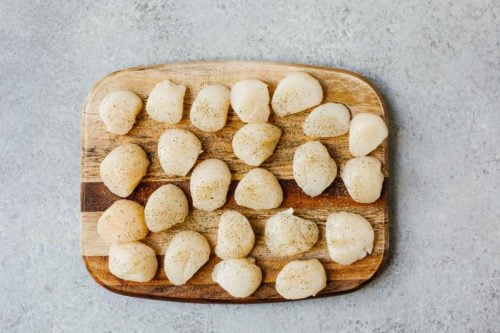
436,62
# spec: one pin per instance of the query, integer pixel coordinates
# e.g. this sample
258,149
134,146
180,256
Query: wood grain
339,86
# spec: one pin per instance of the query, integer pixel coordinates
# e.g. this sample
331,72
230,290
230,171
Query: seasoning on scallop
178,150
297,92
328,120
235,237
250,101
209,184
132,261
366,133
255,143
210,107
259,189
118,111
123,168
287,234
187,252
313,168
363,178
123,221
349,237
166,207
239,277
166,102
301,279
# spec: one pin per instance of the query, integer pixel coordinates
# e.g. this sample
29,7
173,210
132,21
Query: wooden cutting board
339,86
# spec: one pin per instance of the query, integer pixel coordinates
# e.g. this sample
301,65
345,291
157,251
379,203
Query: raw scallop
239,277
259,189
363,178
297,92
287,234
166,102
186,254
250,101
328,120
123,168
255,143
349,237
313,168
366,133
209,184
210,107
301,279
178,150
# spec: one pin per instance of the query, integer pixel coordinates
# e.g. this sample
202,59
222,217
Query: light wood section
339,86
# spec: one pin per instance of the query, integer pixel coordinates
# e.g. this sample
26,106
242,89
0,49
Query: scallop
186,254
328,120
123,221
235,237
301,279
313,168
259,189
239,277
166,207
366,133
287,234
166,102
178,150
210,107
297,92
118,111
363,178
123,168
209,184
349,237
254,143
132,261
250,101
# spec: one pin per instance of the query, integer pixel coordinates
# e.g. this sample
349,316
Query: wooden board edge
159,66
358,285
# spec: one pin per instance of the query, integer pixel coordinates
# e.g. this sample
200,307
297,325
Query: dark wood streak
95,197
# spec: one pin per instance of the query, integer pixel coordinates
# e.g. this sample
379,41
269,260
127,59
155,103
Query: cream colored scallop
349,237
235,237
210,107
367,132
166,102
132,261
363,178
250,101
259,189
118,111
123,221
209,184
166,207
287,234
178,150
328,120
123,168
239,277
254,143
186,254
313,168
297,92
301,279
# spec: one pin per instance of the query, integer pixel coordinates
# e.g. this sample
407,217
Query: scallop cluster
287,235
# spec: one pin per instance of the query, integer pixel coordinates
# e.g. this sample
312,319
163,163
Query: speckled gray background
437,64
